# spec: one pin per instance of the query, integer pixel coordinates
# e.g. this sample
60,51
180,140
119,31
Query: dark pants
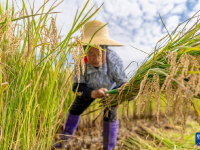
79,105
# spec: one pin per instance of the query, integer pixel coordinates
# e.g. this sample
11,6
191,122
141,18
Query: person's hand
99,93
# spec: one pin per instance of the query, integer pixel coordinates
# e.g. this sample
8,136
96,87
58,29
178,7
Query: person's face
93,57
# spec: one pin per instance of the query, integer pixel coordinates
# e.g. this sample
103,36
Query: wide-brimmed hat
101,37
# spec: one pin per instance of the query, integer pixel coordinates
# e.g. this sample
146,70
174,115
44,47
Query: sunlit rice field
36,79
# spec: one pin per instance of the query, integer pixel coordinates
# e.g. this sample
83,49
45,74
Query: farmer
95,81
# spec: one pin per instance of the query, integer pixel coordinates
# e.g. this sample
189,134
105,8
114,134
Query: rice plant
170,74
35,76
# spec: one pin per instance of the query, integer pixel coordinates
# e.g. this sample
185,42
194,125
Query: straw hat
101,37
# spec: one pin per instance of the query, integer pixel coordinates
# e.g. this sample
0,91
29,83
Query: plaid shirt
110,75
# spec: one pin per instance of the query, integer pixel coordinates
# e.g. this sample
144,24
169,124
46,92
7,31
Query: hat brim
101,41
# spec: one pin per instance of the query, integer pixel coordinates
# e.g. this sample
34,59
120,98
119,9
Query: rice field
36,80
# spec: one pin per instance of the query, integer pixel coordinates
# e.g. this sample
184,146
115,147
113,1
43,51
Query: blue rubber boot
110,130
70,128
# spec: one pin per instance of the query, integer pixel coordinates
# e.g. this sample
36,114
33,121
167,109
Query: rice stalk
36,89
171,71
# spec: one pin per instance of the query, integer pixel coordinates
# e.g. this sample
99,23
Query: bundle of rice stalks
170,73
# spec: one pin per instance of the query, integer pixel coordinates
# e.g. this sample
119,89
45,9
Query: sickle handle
115,91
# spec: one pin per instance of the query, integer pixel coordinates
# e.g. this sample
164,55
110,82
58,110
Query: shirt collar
103,69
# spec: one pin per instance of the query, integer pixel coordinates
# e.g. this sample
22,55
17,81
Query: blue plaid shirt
110,75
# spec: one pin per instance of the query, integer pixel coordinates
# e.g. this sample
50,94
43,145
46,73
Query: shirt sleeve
119,74
81,89
118,71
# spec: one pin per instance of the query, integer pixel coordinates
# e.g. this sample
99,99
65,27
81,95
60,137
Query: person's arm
80,87
85,92
82,90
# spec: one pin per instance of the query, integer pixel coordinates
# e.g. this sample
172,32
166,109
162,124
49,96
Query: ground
142,133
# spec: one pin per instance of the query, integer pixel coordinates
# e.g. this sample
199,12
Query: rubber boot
70,128
110,130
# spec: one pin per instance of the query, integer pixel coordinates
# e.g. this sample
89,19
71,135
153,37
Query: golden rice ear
78,56
75,57
81,49
7,33
54,34
179,96
9,29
